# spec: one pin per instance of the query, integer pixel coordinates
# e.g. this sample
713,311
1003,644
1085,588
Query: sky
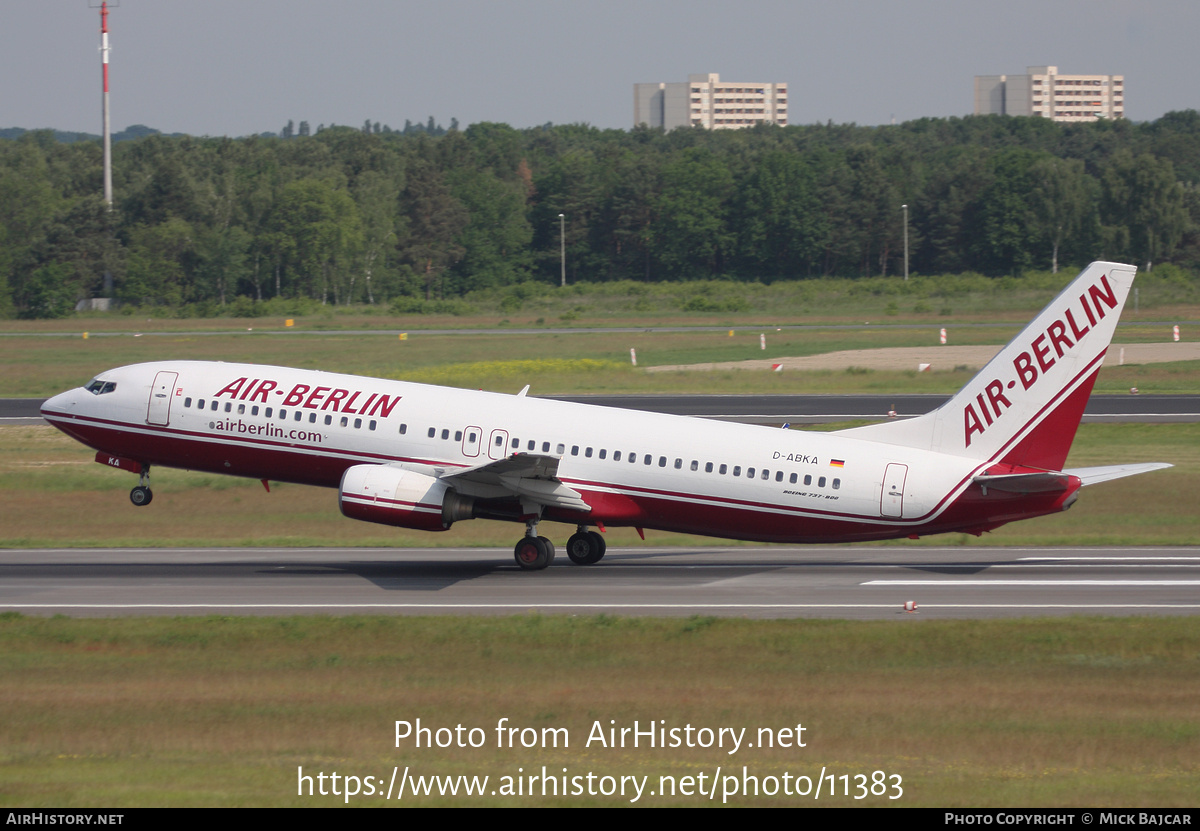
238,67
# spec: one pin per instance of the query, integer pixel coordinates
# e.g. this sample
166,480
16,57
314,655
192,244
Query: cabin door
161,393
891,501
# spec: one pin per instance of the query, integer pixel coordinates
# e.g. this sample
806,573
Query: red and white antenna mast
108,188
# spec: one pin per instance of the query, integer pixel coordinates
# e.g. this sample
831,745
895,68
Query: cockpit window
98,387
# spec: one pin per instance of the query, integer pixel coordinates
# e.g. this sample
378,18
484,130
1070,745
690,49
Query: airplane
424,457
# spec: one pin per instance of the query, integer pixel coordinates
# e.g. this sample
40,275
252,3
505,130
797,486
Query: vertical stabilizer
1023,407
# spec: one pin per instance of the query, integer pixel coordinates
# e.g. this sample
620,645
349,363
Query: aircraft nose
61,404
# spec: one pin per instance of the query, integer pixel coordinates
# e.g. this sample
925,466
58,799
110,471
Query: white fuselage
631,467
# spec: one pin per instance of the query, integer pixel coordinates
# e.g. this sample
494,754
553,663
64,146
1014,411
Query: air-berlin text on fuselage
1043,352
312,398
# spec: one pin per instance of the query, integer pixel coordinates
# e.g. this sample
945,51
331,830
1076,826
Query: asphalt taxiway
742,581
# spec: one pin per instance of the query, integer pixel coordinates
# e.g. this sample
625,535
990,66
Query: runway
754,582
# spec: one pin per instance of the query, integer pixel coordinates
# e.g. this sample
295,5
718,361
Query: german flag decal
837,463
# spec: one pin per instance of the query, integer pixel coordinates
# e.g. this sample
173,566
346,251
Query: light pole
905,208
562,245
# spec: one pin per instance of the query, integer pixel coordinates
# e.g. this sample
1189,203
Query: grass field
224,711
555,362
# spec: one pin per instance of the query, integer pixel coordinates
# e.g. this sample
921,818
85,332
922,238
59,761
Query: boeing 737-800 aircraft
419,456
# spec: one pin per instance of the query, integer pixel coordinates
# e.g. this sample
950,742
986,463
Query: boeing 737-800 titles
425,457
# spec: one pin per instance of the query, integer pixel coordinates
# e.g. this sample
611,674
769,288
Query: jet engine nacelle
395,496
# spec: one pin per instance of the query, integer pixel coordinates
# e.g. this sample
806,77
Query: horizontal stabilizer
1040,482
1092,475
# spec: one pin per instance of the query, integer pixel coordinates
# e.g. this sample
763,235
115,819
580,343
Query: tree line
367,215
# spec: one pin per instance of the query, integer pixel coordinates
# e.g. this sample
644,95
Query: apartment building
1045,93
707,101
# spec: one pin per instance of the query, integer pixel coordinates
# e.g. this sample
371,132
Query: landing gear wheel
549,546
600,544
533,553
586,548
141,496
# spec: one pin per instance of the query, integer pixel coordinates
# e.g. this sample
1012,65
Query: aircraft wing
531,477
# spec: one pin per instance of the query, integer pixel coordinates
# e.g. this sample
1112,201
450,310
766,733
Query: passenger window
458,435
299,416
792,479
737,470
633,458
545,447
371,425
532,445
328,419
807,479
562,448
695,465
254,410
708,467
241,409
228,407
357,423
214,406
187,402
500,441
312,418
345,421
574,450
267,412
200,404
282,414
679,464
445,433
432,431
766,474
837,483
662,461
721,470
472,436
603,453
821,482
403,429
749,473
649,459
779,476
616,455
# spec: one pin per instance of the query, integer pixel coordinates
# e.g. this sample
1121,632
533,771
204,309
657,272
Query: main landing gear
141,495
534,553
586,547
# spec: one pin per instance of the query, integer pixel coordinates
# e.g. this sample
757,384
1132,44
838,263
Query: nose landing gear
142,495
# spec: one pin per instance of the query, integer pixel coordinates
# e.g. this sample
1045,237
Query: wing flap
531,477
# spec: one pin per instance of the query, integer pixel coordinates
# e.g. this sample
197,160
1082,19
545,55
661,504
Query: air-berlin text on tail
1042,353
311,398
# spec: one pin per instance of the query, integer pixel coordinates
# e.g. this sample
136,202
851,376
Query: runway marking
538,606
1136,559
1031,583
